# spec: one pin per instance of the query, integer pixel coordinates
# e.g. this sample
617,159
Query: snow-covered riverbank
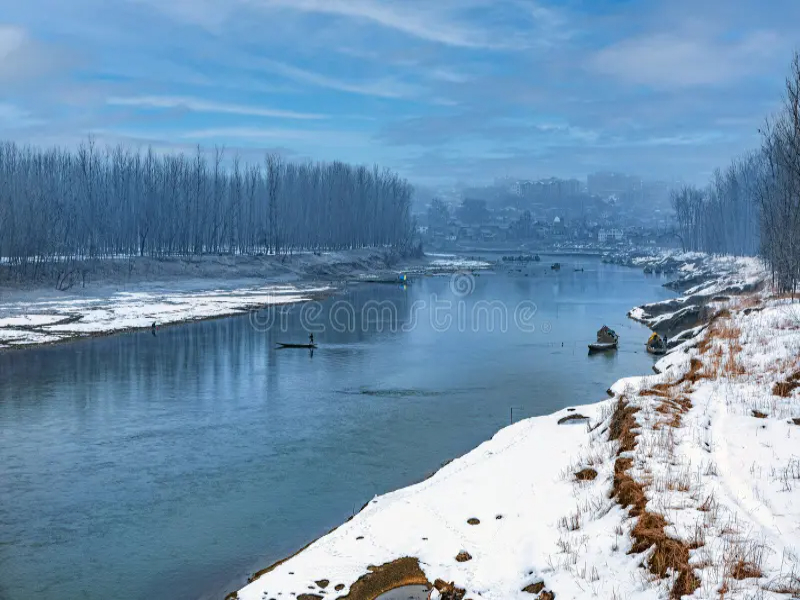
684,482
197,290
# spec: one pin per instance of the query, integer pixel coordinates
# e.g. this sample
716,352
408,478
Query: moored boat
287,345
656,345
602,347
607,339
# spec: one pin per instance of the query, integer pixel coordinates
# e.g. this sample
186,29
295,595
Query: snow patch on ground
717,454
48,320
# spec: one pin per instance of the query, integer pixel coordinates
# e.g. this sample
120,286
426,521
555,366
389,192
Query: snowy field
31,317
685,483
53,319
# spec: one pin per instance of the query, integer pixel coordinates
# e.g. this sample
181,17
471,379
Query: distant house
610,235
490,233
558,228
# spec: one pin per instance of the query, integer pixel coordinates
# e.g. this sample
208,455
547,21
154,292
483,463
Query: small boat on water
607,339
285,345
656,345
555,266
602,347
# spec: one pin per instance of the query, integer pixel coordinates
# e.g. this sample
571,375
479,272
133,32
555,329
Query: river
171,466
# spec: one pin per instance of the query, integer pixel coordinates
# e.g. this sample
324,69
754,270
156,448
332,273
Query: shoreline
581,463
38,317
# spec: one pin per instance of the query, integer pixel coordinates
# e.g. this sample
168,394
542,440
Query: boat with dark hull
287,345
607,340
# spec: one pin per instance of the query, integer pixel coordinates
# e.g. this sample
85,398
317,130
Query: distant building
558,227
610,235
616,184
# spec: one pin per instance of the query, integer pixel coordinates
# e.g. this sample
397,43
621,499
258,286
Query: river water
138,467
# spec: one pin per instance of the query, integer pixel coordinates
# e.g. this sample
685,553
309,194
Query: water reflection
140,466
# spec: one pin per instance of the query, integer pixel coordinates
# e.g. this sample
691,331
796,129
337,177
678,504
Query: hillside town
606,210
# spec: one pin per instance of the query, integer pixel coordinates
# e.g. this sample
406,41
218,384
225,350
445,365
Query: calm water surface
140,467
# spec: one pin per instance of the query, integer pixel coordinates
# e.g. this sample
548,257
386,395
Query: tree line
58,205
753,206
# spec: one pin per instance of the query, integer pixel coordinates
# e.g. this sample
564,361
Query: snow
47,320
726,480
30,320
501,477
451,261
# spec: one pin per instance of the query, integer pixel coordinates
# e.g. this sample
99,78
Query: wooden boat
656,345
285,345
602,347
607,339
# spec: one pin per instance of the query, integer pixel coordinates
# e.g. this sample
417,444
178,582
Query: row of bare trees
60,205
753,207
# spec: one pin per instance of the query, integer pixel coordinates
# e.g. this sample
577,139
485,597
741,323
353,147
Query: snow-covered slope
685,483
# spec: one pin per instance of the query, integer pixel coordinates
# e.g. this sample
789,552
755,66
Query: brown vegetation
448,591
463,556
648,532
384,578
786,387
534,588
586,475
622,424
743,569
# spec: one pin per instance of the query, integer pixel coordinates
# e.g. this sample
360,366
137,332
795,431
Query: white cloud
383,88
668,60
11,39
423,21
12,116
200,105
259,133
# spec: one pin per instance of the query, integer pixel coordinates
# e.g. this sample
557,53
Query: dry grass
668,554
785,388
386,577
622,425
448,591
742,569
571,522
725,331
586,475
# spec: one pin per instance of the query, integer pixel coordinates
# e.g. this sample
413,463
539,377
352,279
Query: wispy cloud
22,58
383,88
681,60
12,116
11,39
208,106
426,21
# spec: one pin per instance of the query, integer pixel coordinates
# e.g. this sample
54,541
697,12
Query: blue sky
443,91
